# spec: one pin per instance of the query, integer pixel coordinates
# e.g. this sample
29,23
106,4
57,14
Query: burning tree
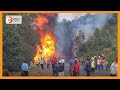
46,48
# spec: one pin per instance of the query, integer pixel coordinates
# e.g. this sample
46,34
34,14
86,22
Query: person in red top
101,63
55,59
53,62
76,68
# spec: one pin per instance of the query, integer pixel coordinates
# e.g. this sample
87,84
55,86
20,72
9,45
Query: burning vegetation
47,41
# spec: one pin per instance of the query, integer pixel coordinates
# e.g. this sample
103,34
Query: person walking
42,62
61,68
71,67
53,62
55,69
83,66
24,69
82,61
76,68
48,63
101,63
106,63
63,60
92,66
98,63
95,58
88,67
114,69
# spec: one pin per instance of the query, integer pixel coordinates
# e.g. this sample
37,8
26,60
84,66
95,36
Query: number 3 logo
10,19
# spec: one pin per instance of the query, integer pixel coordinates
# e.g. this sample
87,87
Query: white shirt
63,60
114,68
98,61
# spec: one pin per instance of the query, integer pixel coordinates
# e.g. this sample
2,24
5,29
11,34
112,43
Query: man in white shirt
114,69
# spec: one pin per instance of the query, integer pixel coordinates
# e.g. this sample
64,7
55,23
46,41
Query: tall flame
47,41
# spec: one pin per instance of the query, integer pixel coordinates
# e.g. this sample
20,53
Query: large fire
47,41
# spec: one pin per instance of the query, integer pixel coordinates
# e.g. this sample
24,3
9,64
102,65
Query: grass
32,67
16,73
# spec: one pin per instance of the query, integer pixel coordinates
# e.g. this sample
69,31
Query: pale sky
69,16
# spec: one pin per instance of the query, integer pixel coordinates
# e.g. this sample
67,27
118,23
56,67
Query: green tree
18,43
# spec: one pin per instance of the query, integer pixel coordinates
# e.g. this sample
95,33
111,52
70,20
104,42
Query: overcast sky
68,16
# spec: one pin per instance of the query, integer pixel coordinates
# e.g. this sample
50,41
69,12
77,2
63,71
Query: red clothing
53,60
10,74
101,61
76,67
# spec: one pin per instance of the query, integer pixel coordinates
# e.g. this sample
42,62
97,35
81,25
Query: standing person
61,68
55,59
92,66
55,69
42,63
52,61
95,58
48,63
82,61
76,68
83,64
71,67
106,63
114,69
63,60
88,67
24,69
88,57
101,63
98,63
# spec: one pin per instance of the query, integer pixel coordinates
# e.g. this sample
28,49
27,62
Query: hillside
103,40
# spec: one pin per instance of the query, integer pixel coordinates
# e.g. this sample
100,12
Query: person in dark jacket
55,69
48,63
61,68
88,67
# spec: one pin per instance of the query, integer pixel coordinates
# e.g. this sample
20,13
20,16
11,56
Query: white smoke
87,23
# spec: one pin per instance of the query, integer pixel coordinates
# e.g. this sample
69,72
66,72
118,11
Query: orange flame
41,22
47,40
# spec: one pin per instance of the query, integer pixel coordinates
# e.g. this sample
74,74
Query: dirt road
37,71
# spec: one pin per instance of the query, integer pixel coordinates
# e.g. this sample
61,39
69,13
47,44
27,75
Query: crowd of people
89,65
58,66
